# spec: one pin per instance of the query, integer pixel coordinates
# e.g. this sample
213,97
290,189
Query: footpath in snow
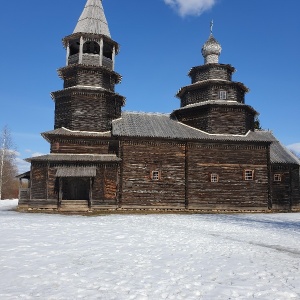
153,257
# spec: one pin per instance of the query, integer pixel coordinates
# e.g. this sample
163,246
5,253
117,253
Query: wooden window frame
248,176
155,175
223,95
214,177
277,177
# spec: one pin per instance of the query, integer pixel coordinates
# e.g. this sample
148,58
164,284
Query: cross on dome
211,50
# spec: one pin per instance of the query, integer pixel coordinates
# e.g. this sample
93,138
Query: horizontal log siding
211,92
295,187
139,160
39,180
53,187
232,192
86,77
213,72
219,119
86,112
285,193
232,120
105,187
79,146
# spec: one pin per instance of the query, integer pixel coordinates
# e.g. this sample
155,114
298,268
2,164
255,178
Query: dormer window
223,95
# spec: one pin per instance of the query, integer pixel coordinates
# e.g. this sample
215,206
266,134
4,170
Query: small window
155,175
223,95
249,174
214,177
277,177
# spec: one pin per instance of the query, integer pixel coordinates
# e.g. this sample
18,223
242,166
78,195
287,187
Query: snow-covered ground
149,256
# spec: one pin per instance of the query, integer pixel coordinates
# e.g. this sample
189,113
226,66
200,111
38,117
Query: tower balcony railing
91,60
107,62
73,59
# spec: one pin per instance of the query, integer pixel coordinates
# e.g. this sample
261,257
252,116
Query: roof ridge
146,113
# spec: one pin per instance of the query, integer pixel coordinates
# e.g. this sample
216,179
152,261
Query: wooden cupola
213,102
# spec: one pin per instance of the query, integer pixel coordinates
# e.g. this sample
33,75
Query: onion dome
211,50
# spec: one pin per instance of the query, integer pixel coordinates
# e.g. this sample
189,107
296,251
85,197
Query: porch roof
59,157
76,172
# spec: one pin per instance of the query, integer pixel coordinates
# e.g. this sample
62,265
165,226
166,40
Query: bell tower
88,101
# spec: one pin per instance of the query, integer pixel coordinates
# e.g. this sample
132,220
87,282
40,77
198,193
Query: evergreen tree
257,123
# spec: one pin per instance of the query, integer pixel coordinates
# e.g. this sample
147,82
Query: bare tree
8,168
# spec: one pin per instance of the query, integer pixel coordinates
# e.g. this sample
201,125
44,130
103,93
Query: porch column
60,193
91,193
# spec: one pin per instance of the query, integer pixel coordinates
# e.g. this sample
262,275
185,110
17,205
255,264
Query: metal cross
211,26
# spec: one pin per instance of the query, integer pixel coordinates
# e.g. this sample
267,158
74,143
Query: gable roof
92,19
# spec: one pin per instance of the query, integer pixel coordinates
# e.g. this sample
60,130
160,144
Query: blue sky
160,41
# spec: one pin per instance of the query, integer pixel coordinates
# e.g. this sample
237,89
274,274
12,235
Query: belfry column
113,57
68,54
81,50
101,52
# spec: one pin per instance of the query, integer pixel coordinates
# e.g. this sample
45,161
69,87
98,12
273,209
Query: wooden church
204,156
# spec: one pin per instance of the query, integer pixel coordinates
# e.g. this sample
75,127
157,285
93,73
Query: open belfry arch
204,156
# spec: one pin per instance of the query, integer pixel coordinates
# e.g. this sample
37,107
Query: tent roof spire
92,19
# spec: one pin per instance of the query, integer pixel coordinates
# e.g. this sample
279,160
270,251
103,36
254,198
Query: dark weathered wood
285,194
217,119
82,177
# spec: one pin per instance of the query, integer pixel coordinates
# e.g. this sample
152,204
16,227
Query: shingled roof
280,154
92,19
155,125
215,102
67,132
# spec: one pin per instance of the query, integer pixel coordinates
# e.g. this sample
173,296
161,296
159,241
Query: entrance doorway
75,188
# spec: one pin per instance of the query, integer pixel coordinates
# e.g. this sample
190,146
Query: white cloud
35,154
295,148
190,7
22,165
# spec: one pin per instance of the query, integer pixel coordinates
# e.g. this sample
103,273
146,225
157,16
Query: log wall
86,111
38,180
219,119
89,77
211,72
211,92
80,146
229,162
105,187
285,193
139,160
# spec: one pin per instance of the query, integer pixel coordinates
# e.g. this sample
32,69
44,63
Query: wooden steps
74,205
